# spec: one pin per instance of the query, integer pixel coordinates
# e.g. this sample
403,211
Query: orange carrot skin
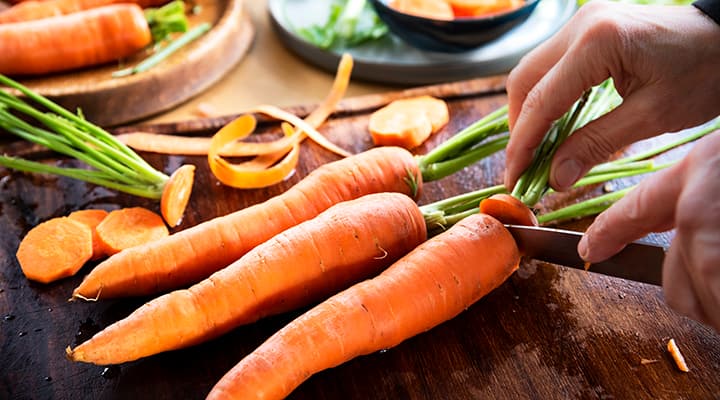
508,209
193,254
348,242
432,284
73,41
32,10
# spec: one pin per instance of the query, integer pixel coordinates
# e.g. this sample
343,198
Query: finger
650,207
598,140
552,96
678,288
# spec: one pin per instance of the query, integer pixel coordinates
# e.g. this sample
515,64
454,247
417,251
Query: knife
638,261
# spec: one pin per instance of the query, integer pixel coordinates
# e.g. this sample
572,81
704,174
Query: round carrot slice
92,219
55,249
129,227
176,194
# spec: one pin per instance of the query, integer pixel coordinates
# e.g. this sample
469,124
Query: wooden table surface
547,332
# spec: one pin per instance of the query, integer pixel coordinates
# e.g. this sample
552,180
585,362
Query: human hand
685,197
664,61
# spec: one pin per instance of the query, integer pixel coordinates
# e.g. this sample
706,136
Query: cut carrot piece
677,356
176,194
92,219
508,210
480,8
408,122
55,249
129,227
434,9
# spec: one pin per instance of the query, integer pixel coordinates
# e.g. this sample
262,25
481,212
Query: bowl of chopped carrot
452,26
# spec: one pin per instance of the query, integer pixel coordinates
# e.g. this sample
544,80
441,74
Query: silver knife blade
638,261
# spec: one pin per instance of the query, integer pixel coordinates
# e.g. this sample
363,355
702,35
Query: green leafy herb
349,23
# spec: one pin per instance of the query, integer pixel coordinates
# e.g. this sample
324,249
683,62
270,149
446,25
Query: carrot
408,122
176,194
32,10
195,253
72,41
92,219
348,242
128,227
55,249
677,356
430,285
478,8
508,209
435,9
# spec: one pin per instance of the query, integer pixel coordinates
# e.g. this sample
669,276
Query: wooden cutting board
548,332
110,101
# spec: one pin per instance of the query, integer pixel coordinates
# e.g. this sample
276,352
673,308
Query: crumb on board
677,356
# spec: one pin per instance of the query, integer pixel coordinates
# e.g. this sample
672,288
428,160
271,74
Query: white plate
390,60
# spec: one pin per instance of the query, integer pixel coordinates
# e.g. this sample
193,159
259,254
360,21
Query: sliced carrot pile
508,210
176,194
55,249
435,9
677,356
92,219
129,227
408,122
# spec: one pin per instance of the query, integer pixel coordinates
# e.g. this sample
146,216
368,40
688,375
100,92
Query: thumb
592,144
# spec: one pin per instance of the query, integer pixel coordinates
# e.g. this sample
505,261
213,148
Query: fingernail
567,173
583,250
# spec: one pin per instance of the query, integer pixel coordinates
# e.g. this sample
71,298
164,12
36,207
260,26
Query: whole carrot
430,285
33,10
193,254
72,41
348,242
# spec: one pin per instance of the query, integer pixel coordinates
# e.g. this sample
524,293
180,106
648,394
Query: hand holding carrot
683,197
663,60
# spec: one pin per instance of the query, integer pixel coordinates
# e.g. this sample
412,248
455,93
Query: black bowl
458,35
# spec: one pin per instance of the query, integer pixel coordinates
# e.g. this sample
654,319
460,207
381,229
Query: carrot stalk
430,285
585,208
165,52
348,242
113,164
195,253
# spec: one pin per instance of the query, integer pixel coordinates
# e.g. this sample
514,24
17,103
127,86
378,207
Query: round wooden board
109,101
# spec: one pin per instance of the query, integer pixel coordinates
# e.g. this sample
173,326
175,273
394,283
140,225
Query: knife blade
638,261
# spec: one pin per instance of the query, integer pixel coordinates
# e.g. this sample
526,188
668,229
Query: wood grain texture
547,333
111,101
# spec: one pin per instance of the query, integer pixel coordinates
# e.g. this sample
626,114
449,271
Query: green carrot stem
613,167
585,208
709,128
95,177
165,52
435,171
82,123
491,124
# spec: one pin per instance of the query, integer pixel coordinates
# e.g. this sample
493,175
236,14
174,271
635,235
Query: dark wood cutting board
546,333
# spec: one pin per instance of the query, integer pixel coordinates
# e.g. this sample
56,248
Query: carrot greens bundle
112,164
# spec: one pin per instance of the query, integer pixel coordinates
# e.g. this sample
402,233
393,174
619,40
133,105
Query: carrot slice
129,227
408,122
677,356
508,210
434,9
176,194
92,219
479,8
55,249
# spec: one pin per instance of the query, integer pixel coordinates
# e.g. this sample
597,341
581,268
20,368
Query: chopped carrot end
508,209
92,218
129,227
176,194
55,249
408,122
677,356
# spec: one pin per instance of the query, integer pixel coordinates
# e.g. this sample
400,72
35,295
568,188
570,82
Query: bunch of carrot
41,37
